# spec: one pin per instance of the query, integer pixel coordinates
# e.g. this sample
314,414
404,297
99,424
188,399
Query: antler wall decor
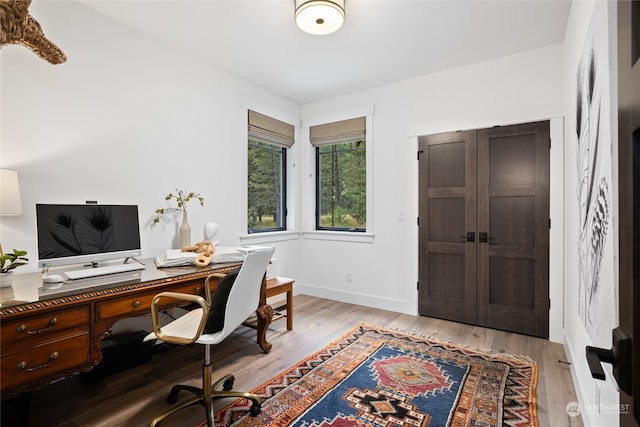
18,27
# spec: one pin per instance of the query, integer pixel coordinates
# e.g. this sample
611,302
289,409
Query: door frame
629,197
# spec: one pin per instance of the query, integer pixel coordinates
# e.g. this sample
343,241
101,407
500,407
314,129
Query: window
341,171
267,172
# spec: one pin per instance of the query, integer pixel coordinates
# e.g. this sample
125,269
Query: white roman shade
270,131
352,130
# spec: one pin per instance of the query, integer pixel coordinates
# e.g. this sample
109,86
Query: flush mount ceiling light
319,16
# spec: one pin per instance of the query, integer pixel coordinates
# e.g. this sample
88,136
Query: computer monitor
89,233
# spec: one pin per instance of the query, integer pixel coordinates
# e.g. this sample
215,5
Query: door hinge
418,285
549,223
549,143
418,221
549,303
421,151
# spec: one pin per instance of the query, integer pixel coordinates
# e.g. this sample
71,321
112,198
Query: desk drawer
33,365
34,329
141,303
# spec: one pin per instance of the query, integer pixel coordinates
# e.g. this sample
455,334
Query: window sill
339,236
269,236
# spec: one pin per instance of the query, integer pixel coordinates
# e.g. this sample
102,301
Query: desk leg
290,310
265,315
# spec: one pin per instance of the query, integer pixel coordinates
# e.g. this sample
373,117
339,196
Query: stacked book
177,258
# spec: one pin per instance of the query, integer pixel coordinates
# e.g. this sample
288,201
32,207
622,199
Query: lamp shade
10,201
319,16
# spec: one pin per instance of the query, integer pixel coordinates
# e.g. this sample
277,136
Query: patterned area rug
374,376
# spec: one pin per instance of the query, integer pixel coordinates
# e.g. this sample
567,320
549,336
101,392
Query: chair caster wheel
255,410
172,398
228,385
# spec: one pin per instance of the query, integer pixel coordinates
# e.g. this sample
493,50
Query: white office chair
235,299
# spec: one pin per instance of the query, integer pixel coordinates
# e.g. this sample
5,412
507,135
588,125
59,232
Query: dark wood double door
484,227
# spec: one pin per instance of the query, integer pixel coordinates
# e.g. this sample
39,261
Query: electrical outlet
348,276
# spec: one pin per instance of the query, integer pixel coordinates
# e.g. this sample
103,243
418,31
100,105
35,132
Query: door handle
484,237
619,356
470,237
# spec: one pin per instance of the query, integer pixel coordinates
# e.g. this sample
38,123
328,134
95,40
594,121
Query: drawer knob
52,323
198,290
136,304
52,357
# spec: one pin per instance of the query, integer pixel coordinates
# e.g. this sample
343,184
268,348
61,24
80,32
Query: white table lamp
10,200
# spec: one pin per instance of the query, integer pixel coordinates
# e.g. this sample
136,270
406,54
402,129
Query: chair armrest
155,316
207,288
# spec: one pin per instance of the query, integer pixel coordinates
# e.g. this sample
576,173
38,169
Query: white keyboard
102,271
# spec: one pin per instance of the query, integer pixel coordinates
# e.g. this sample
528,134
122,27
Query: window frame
291,184
308,190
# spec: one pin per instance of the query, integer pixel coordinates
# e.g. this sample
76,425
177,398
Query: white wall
518,88
598,399
126,117
122,121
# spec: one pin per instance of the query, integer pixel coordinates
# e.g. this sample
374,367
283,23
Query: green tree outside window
341,182
266,209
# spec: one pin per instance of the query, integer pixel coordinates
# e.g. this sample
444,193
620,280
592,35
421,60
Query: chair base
206,395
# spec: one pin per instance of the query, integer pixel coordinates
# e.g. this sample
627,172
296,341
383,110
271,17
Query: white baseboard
396,305
574,378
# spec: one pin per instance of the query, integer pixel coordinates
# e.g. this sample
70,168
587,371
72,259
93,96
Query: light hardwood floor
134,397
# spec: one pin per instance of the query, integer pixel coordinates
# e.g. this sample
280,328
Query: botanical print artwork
593,154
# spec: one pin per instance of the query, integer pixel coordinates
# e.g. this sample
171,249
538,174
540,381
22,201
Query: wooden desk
48,334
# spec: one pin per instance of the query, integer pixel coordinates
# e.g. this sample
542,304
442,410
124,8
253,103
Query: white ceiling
382,41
